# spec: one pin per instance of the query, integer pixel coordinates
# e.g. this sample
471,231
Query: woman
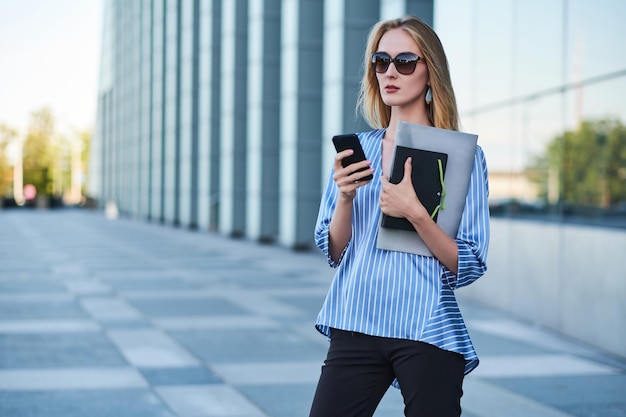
392,317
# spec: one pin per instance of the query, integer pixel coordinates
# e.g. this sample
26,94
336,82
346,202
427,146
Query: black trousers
359,369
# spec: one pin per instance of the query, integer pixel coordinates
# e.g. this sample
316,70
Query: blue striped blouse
395,294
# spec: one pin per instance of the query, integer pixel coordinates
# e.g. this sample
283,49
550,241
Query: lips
390,88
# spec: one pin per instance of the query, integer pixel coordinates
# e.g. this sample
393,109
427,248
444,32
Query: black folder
428,170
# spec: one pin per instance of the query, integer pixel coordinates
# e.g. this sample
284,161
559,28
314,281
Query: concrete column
188,118
171,150
114,165
122,106
346,26
263,120
424,9
158,111
209,120
301,119
133,114
119,148
128,105
234,57
107,147
98,181
145,108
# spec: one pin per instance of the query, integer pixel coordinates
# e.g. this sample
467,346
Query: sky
49,57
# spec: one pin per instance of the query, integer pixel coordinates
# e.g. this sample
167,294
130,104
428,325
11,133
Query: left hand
400,200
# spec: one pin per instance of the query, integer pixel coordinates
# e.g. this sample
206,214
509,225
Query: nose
391,73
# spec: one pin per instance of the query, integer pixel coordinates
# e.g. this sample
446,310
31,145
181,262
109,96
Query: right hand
348,179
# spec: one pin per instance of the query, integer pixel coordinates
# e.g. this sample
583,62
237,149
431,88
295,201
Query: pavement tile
49,350
268,373
488,344
30,286
205,323
142,323
509,329
261,304
248,345
136,274
150,348
115,260
195,305
195,375
70,379
110,309
162,284
209,401
582,395
294,399
392,405
26,268
39,309
87,287
14,299
282,400
547,365
265,280
309,304
105,403
486,399
48,326
129,318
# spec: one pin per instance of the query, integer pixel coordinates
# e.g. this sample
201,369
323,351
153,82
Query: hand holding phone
351,141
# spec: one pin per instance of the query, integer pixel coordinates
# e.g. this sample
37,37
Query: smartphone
351,141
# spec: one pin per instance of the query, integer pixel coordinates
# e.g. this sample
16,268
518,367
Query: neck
419,117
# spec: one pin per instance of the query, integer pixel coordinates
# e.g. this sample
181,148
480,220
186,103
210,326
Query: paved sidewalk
123,318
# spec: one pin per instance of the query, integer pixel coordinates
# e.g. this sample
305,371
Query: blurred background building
217,116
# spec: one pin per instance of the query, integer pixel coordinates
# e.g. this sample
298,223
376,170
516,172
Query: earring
429,96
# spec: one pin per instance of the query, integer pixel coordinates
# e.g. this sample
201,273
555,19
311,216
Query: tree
70,163
85,138
7,135
592,164
38,151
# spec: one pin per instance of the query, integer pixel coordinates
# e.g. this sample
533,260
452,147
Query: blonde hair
442,111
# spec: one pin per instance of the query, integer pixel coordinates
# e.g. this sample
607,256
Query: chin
394,102
398,101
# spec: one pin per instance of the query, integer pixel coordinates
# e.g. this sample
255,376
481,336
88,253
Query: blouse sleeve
473,235
326,210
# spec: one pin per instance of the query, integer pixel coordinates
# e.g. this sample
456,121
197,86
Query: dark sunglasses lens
405,63
381,62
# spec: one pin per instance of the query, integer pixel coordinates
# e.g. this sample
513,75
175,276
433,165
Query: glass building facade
192,136
542,83
217,115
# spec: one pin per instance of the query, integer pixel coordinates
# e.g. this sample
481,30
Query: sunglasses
405,62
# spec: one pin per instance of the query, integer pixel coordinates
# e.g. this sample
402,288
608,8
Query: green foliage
48,158
38,151
538,174
7,135
84,138
591,162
